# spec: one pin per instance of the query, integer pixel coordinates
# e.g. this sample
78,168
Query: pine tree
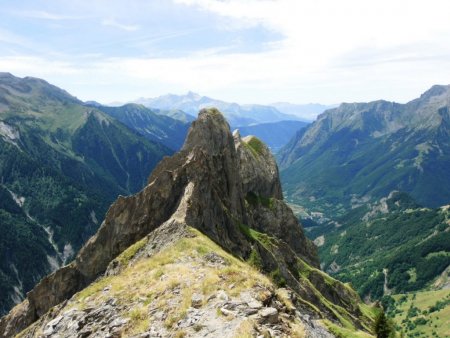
382,327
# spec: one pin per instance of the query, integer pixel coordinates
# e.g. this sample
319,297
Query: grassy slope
148,283
411,313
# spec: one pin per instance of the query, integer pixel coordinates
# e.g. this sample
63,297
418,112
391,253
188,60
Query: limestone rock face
257,167
219,184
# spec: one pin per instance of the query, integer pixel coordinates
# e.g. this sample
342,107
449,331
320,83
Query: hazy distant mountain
274,134
360,151
307,112
237,115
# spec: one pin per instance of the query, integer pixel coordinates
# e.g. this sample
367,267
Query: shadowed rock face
206,186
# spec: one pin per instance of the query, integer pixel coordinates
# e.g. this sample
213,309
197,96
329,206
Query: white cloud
115,24
12,38
332,51
44,15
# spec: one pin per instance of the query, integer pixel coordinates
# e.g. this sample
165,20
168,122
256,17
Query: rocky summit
207,248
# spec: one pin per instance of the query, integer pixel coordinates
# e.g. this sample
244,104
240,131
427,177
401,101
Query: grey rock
268,315
222,295
215,259
227,312
255,304
196,300
249,311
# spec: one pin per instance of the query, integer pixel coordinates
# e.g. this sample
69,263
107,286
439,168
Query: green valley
393,246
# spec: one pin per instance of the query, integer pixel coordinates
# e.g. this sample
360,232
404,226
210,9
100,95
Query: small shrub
278,278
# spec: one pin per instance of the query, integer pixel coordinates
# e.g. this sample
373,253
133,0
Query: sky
245,51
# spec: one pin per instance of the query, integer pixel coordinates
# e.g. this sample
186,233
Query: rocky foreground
207,248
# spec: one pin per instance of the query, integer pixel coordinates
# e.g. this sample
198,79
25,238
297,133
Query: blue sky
247,51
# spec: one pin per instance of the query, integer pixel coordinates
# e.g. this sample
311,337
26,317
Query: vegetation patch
125,257
420,314
255,145
252,235
278,278
255,259
256,200
342,332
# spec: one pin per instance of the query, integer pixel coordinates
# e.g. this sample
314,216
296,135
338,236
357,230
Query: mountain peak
6,75
193,96
210,131
436,90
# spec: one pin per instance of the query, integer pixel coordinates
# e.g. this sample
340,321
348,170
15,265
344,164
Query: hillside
391,246
152,124
421,314
214,214
61,165
360,152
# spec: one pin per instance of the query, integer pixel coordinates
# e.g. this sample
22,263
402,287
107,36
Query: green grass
256,145
256,200
420,315
129,253
255,236
342,332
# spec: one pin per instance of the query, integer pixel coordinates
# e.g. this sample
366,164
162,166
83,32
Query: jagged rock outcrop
227,188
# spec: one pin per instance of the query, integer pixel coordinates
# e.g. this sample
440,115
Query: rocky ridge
228,189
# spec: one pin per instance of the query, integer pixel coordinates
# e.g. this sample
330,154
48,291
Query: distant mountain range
274,134
237,115
272,125
306,112
363,151
62,163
